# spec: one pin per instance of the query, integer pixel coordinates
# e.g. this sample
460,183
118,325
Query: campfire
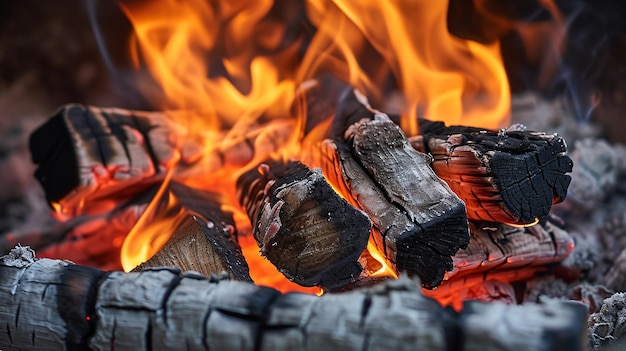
307,175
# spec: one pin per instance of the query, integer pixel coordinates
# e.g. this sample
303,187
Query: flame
441,77
230,75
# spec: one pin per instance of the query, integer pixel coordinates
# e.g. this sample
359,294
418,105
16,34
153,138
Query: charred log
85,152
302,226
419,222
507,176
205,240
51,305
500,252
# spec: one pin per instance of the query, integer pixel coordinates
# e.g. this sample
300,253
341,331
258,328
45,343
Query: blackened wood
162,310
419,221
311,234
507,176
86,152
497,251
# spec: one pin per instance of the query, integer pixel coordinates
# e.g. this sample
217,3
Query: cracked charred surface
52,305
311,234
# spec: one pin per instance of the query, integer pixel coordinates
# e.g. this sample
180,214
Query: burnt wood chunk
503,253
311,234
86,152
205,240
506,176
162,310
419,222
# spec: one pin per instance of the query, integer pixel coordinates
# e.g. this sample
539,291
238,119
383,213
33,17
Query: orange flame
224,65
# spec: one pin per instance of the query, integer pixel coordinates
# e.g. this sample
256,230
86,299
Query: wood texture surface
54,305
419,222
311,234
507,176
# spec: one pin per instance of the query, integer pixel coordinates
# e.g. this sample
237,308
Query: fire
228,72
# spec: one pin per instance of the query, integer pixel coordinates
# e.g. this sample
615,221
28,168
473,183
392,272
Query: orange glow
385,270
153,229
220,75
441,77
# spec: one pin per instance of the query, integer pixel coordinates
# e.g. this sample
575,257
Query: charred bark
302,226
510,176
419,221
54,305
507,176
86,152
499,252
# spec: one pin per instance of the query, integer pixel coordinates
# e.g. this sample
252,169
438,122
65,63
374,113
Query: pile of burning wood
464,210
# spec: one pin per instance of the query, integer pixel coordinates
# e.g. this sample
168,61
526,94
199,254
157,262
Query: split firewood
86,153
502,253
205,240
311,234
510,176
419,222
52,305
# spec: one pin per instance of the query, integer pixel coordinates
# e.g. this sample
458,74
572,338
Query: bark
86,152
54,305
499,252
419,221
508,176
311,234
512,176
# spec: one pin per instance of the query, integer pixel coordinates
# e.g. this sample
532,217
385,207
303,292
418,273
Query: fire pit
324,148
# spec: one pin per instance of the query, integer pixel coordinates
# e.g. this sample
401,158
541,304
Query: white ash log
311,234
54,305
419,222
205,240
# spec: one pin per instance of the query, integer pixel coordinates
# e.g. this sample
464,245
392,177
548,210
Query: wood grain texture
419,221
311,234
85,152
499,252
507,176
43,301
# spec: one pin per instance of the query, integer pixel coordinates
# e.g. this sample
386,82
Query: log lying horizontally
499,252
205,240
86,152
311,234
54,305
419,221
507,176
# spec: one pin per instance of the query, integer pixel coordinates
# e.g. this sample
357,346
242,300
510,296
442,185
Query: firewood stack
446,206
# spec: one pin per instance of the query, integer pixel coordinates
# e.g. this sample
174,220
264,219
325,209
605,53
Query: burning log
419,221
86,152
499,252
512,176
313,236
205,241
51,305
